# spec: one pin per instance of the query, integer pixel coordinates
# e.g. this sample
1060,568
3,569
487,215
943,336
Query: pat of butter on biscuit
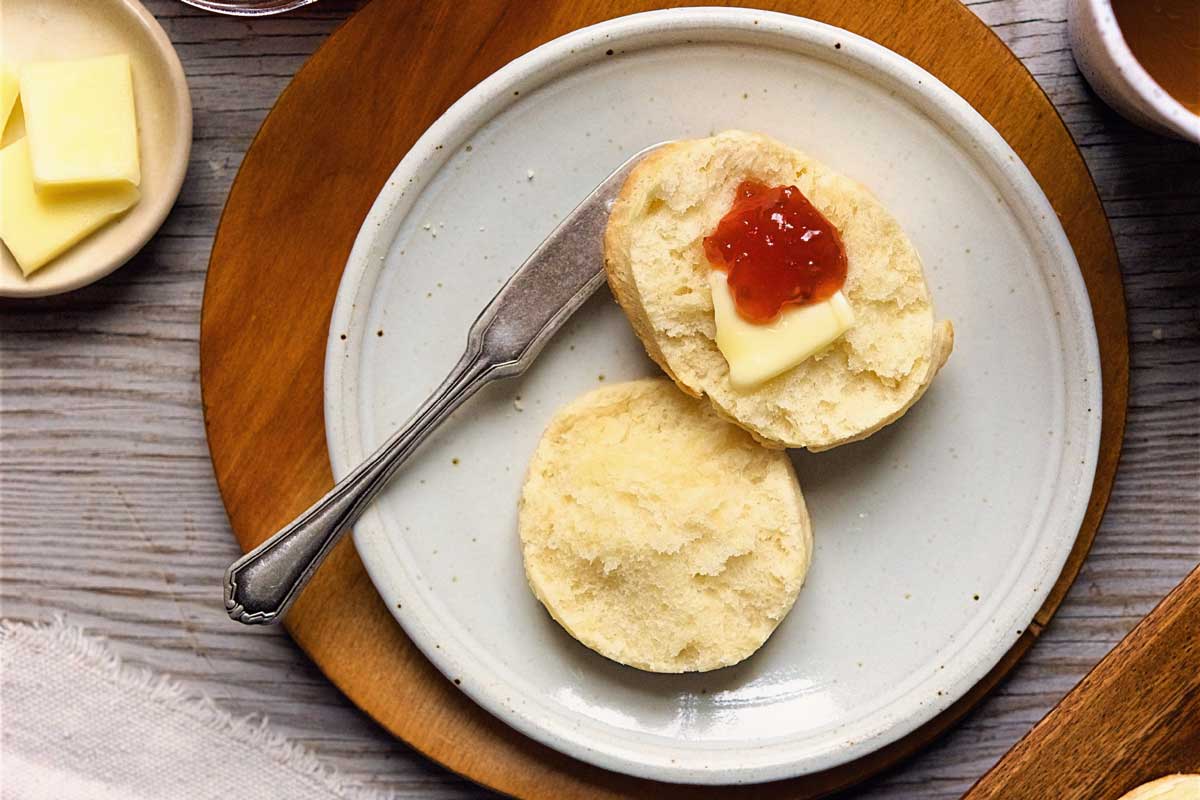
757,353
38,227
80,121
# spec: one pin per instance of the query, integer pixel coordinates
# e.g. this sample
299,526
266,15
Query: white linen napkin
77,724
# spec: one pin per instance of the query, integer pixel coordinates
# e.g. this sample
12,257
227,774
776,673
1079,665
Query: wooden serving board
1134,718
304,188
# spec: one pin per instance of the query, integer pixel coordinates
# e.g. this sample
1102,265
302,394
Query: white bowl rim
1174,114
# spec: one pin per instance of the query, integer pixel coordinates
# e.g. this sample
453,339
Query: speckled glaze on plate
70,29
936,539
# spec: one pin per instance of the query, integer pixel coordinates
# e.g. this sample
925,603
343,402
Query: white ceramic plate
69,29
936,539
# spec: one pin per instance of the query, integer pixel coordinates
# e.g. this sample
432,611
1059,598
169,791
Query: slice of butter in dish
37,227
9,89
80,121
757,353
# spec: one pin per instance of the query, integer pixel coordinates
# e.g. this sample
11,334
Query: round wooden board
304,188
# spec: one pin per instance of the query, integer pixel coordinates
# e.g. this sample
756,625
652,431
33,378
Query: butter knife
563,272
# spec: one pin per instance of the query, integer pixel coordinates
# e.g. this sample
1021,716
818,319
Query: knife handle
261,585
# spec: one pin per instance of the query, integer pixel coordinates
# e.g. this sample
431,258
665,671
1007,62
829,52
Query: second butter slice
81,123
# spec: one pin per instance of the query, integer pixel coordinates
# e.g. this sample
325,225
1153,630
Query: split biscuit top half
657,269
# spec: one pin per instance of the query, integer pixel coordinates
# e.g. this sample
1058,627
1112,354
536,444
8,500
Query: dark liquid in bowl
1164,36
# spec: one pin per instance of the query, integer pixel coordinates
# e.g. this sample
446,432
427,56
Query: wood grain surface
1133,719
109,512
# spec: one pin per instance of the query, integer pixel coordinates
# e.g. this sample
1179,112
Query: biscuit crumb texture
657,269
660,535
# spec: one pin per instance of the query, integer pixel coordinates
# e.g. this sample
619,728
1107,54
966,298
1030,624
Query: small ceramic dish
936,540
70,29
1118,77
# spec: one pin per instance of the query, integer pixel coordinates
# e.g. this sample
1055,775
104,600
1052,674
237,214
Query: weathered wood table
109,513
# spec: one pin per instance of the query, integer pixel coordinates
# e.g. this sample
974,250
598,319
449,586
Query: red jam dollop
776,249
